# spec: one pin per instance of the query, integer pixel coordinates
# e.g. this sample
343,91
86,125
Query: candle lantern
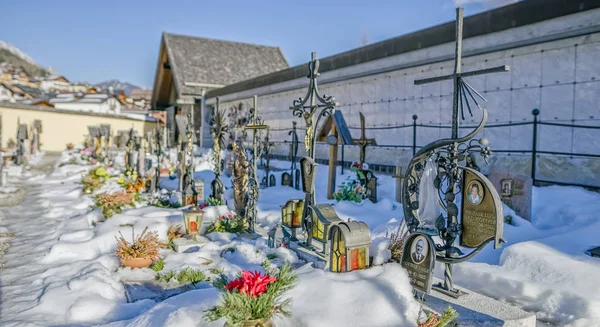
192,219
349,249
291,215
323,218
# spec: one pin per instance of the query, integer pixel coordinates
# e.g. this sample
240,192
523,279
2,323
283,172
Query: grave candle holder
192,219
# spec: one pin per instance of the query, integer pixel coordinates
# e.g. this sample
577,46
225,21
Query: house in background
96,102
189,66
55,83
7,94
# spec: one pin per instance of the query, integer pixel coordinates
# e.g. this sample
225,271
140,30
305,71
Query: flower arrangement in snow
434,320
132,183
145,247
354,189
115,202
95,178
229,223
253,296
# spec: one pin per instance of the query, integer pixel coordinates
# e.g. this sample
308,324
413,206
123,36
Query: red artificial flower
230,215
251,284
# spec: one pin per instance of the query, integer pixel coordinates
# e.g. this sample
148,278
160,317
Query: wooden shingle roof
196,60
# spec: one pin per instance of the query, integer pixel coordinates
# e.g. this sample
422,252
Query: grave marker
515,191
271,180
335,132
286,179
418,258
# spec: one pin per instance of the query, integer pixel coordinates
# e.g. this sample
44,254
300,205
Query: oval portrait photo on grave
476,192
419,249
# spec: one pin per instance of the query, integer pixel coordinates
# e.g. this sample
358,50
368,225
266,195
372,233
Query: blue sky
95,41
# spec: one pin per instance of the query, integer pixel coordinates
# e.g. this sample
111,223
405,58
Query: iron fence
415,126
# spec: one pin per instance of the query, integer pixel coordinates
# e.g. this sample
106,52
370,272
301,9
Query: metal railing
534,151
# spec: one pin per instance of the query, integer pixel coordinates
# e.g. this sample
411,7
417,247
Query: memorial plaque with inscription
515,191
272,180
418,258
482,217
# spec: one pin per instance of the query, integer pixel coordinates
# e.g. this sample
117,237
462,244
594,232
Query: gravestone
515,191
398,176
371,186
199,185
272,180
418,258
37,129
286,179
22,137
264,183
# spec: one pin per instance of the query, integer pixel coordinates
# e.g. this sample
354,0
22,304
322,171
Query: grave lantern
291,215
323,217
192,219
349,246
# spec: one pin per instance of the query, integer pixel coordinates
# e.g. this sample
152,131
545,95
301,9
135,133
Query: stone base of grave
476,310
189,245
13,198
152,290
316,257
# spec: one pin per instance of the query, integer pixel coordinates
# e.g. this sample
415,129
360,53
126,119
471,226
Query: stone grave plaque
182,123
308,169
286,179
482,217
515,191
264,183
199,185
297,179
271,180
418,258
371,186
22,132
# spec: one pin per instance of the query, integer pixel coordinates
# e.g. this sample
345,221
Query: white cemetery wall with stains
561,77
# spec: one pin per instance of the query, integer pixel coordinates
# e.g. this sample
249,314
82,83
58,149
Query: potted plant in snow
141,252
252,299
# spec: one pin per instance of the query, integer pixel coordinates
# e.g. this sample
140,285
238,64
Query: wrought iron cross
301,109
255,190
461,94
363,141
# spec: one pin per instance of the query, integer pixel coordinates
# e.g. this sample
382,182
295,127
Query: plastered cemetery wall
550,69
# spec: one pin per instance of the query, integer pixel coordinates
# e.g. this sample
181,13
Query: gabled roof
198,63
344,136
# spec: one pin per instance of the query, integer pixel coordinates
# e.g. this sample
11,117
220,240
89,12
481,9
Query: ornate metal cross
449,228
363,142
301,109
255,126
293,150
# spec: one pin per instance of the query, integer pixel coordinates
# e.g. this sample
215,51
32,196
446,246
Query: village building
95,102
190,66
55,83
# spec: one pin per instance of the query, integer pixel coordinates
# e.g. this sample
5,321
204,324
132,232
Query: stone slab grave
476,310
515,190
153,290
189,245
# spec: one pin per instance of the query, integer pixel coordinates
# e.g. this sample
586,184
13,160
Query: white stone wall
560,77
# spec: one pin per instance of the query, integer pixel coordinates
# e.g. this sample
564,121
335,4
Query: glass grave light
323,217
349,246
291,215
192,219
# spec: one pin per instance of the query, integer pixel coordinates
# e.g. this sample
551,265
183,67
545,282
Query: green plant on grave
165,277
228,223
350,190
158,265
253,296
271,256
191,276
213,202
217,270
508,219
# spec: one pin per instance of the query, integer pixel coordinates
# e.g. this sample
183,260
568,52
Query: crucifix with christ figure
363,141
449,227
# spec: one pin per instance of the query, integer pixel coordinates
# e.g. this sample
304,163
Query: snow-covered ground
61,268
